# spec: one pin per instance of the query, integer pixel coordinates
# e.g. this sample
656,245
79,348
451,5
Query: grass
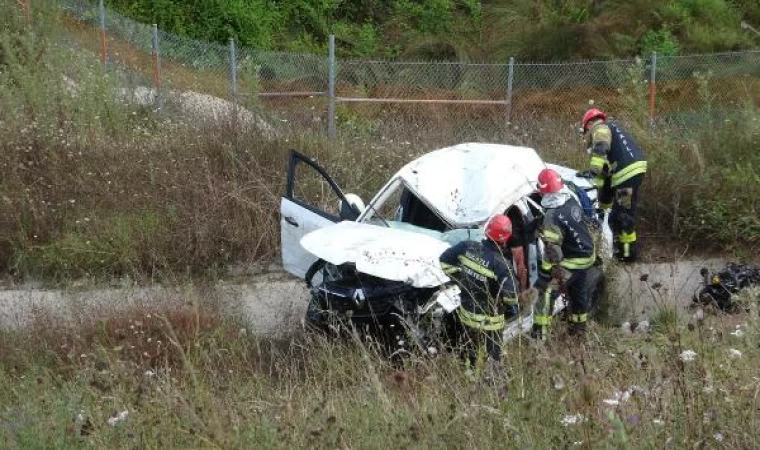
188,377
96,187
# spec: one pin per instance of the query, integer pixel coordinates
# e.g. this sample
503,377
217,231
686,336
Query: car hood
391,254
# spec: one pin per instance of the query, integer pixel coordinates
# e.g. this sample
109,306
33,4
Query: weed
212,385
96,186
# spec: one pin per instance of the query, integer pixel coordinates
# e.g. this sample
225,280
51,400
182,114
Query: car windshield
398,207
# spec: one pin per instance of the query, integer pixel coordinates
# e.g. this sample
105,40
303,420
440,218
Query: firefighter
618,166
569,252
483,271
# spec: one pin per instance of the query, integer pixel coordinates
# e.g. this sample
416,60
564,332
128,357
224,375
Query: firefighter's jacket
614,154
486,280
567,238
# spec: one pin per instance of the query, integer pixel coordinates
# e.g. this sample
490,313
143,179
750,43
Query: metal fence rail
321,95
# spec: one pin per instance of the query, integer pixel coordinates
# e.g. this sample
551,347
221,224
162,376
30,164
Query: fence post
234,86
26,4
331,91
652,90
510,77
103,52
157,68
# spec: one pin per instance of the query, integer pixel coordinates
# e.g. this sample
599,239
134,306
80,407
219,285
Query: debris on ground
721,288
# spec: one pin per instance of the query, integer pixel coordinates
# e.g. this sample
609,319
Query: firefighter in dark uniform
618,167
483,271
569,252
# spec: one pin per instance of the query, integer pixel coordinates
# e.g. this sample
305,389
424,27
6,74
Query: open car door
312,200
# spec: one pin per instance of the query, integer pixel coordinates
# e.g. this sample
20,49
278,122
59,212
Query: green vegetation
95,186
461,29
188,378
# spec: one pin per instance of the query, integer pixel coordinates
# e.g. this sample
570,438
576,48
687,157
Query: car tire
315,315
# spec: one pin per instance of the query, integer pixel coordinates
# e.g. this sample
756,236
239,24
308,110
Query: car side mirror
352,208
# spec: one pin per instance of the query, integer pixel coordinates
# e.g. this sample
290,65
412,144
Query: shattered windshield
398,207
399,204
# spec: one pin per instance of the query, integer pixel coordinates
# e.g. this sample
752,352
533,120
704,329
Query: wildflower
718,437
688,355
572,419
658,422
618,398
120,417
734,353
557,382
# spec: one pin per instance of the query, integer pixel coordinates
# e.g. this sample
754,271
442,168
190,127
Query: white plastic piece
607,249
450,298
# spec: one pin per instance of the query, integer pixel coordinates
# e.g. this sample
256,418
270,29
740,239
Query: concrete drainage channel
275,302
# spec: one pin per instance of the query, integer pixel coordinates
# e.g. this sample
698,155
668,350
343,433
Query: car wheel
316,317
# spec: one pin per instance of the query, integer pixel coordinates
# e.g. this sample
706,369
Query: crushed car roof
467,183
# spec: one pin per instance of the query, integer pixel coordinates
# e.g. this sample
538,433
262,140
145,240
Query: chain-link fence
430,103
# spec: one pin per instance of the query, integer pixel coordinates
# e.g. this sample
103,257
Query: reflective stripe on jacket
615,153
565,228
486,280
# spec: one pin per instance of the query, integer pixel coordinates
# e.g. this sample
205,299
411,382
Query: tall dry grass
96,186
187,377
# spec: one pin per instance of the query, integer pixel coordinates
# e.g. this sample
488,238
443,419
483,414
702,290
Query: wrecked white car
377,265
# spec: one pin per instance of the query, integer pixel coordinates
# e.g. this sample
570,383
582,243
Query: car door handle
290,220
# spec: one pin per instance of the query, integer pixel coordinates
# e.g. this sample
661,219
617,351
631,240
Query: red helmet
590,115
499,229
549,182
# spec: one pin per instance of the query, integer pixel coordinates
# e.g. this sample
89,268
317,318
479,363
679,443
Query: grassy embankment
95,187
188,378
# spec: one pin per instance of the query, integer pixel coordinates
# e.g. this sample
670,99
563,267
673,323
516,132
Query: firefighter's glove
553,254
557,272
